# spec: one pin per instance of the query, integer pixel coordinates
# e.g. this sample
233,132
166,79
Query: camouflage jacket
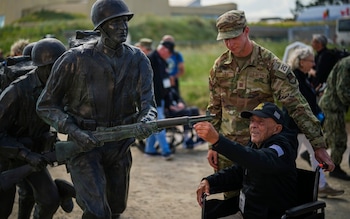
263,78
336,97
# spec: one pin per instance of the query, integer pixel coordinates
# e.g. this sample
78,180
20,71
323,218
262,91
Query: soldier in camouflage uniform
335,103
246,75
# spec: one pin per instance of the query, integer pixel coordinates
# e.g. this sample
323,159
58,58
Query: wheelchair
308,206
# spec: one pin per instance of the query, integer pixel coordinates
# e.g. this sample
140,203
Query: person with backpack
324,61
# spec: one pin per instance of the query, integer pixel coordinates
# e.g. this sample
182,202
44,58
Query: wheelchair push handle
323,166
204,197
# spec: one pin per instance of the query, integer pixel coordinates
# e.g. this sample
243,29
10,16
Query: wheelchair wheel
174,137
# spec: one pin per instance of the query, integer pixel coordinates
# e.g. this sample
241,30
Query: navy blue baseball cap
265,110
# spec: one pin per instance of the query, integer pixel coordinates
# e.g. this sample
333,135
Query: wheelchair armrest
304,208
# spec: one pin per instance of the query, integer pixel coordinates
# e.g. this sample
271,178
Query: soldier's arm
214,106
287,92
50,105
147,103
343,80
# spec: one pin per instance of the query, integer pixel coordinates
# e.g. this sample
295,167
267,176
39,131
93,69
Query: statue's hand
150,116
143,130
84,139
36,160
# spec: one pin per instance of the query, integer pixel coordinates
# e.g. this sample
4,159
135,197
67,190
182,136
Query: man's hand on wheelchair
322,156
202,191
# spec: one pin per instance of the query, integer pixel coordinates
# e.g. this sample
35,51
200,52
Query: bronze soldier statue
102,83
24,136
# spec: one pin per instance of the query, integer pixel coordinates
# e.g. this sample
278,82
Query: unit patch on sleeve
283,68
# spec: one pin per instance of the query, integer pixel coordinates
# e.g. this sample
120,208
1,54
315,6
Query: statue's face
116,29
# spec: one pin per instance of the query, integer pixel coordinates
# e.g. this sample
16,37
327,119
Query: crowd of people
264,109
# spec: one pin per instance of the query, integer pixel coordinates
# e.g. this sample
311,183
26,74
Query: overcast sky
256,9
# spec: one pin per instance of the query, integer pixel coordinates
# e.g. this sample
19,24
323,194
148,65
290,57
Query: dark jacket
98,85
267,179
159,66
325,60
307,90
20,126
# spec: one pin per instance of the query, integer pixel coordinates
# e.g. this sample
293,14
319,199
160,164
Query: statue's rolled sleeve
50,106
147,104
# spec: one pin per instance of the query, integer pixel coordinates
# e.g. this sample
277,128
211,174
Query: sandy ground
162,189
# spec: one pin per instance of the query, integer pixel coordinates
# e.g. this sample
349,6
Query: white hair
297,55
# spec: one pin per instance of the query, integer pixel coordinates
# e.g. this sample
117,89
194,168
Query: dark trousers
46,196
101,179
37,187
6,202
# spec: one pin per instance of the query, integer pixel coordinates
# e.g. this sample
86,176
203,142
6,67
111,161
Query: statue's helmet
103,10
27,51
46,51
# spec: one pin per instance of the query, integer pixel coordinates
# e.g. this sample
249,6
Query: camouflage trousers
335,134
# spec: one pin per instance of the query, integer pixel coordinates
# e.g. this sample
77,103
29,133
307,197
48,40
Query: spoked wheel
175,138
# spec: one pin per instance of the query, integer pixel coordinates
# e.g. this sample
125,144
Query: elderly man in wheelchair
265,170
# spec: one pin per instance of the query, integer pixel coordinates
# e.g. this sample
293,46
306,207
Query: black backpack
339,53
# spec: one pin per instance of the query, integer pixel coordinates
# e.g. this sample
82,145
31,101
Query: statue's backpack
13,68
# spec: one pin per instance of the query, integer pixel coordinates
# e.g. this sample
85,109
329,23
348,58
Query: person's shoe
329,191
339,173
152,154
306,156
168,157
